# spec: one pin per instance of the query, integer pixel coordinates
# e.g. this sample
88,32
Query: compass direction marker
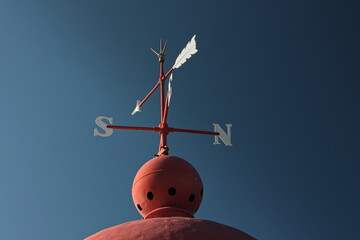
107,131
225,137
163,129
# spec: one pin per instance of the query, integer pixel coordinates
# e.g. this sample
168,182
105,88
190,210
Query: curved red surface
167,191
170,228
159,175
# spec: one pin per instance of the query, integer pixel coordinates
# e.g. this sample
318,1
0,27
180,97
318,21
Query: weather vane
163,129
167,190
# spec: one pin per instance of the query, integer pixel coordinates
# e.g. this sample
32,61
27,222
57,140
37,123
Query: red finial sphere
167,186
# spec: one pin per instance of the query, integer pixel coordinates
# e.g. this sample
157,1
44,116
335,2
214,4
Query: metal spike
161,54
164,47
154,51
160,45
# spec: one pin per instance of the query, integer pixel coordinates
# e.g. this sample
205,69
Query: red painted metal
161,80
149,94
192,131
133,128
167,191
157,177
168,73
163,129
171,228
166,109
163,148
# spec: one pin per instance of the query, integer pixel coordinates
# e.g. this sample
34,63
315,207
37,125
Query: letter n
225,137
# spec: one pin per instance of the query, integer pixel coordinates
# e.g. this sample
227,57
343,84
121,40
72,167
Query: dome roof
170,228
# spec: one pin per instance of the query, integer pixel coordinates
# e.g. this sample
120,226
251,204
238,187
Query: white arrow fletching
137,108
186,53
169,89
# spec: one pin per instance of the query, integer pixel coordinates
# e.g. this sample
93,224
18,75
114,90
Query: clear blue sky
285,73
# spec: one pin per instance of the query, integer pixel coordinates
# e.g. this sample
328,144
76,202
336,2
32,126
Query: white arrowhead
137,108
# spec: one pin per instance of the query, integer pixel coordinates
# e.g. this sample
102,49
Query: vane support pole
163,110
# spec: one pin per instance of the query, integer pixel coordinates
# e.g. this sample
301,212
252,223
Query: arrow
186,53
137,108
139,104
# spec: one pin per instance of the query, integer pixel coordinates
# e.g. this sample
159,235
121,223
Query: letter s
108,131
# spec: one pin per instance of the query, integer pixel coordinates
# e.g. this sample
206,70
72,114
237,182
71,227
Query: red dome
167,186
170,228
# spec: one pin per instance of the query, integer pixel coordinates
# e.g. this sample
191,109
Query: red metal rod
163,130
168,73
154,129
162,92
163,134
162,102
149,94
192,131
166,111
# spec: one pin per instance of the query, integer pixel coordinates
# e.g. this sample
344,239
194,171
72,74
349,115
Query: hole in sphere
172,191
150,195
202,192
139,207
191,197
